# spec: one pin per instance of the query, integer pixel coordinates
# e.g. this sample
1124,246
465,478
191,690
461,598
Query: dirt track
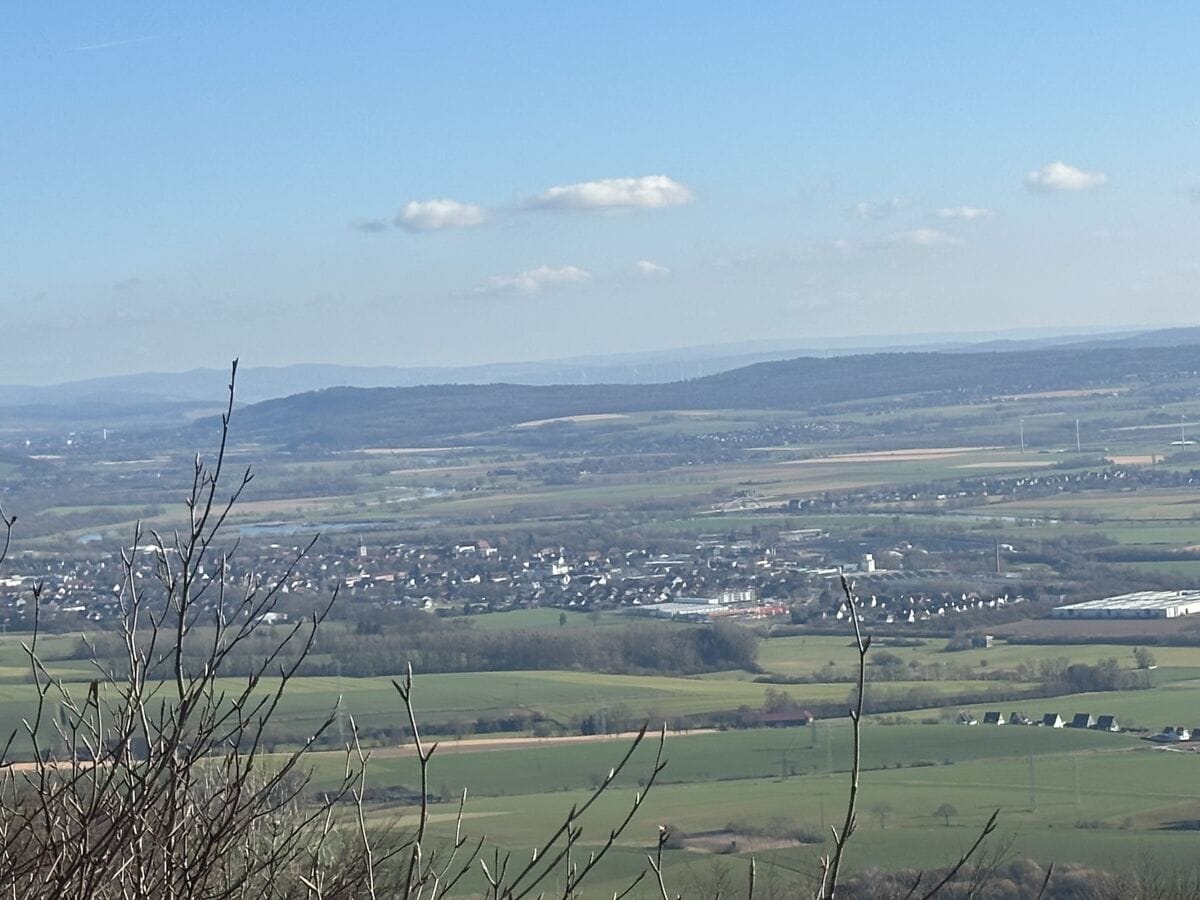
479,745
483,745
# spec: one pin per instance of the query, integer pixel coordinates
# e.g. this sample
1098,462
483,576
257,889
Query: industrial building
1138,605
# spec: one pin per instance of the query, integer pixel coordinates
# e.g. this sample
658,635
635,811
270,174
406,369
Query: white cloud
966,213
1058,176
925,237
532,280
646,267
875,210
433,215
647,192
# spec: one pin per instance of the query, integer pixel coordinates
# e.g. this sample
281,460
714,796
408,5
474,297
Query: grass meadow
1062,795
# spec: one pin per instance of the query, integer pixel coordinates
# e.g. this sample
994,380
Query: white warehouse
1138,605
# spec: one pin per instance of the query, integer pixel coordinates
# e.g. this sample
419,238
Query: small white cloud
1058,176
532,280
925,237
647,192
646,267
876,210
433,215
965,213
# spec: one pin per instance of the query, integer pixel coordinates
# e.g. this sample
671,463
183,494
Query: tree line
441,647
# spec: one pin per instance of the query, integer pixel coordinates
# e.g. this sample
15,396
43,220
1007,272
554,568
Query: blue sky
447,183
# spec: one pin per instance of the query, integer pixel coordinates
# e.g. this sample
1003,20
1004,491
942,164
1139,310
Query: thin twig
987,829
1045,882
831,866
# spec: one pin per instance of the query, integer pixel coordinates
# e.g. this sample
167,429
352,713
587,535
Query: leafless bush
154,780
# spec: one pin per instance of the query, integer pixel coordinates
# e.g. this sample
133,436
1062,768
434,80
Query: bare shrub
156,780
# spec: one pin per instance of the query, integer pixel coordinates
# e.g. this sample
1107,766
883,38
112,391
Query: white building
1138,605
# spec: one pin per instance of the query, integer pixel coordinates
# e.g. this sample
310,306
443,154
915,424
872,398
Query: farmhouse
1138,605
786,718
1172,734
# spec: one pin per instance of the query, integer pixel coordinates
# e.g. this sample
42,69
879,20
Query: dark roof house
786,718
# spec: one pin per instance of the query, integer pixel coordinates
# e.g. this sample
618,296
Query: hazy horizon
459,184
834,345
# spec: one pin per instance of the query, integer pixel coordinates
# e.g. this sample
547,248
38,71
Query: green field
1152,534
811,655
563,696
1145,505
558,696
1063,795
1045,783
726,755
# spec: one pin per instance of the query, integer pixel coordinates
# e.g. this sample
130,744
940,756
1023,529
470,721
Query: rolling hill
343,418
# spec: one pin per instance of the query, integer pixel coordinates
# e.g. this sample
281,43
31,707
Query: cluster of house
1049,720
1042,484
918,608
726,575
1171,734
738,575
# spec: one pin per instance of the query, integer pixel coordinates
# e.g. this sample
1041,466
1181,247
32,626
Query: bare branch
987,829
831,865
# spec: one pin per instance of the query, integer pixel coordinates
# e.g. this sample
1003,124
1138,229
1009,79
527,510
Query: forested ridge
343,417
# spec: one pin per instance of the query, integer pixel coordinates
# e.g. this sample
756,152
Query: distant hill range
345,417
148,392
